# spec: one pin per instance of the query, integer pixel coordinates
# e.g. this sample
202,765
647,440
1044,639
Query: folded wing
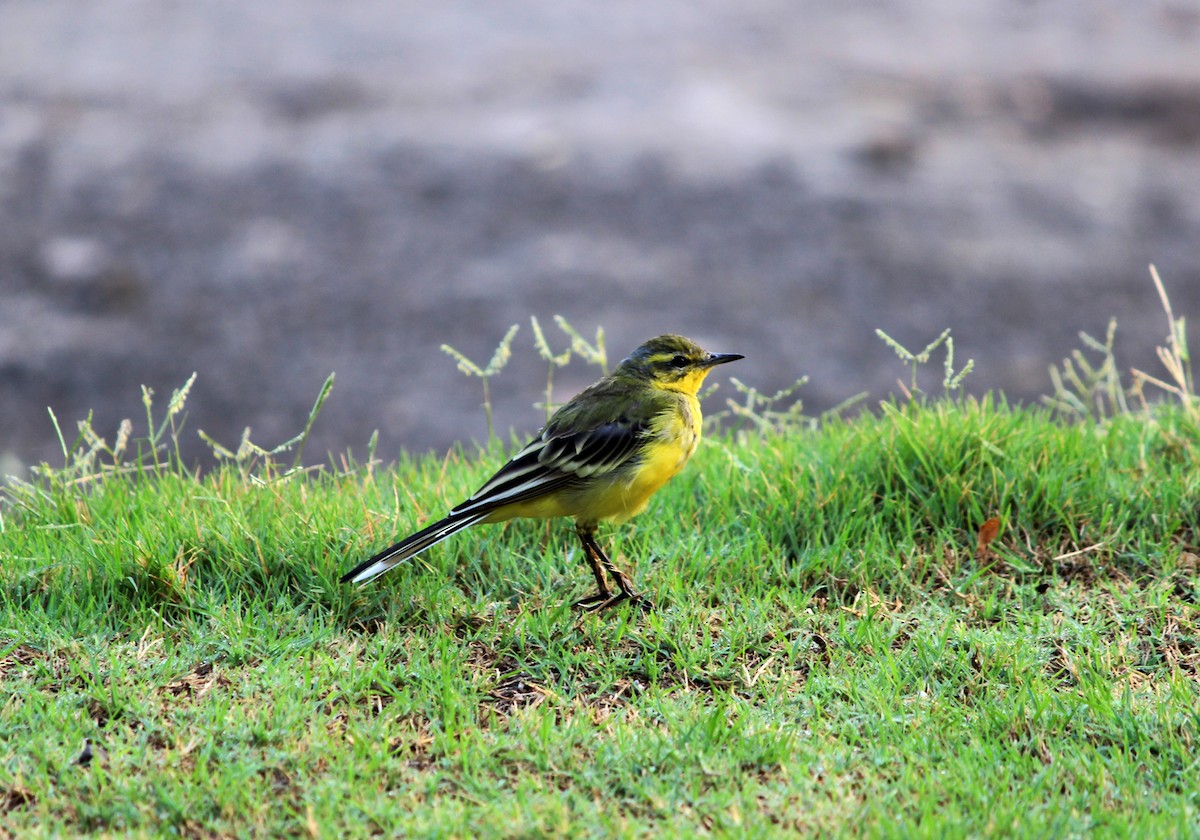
554,460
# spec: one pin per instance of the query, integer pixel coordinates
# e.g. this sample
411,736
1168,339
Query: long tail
410,547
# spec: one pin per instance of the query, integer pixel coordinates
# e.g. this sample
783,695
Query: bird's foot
592,602
601,602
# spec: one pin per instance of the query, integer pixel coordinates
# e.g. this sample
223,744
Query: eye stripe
678,361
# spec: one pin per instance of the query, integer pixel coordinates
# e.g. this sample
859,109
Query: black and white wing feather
553,461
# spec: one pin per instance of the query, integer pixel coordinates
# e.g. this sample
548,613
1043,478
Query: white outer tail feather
410,547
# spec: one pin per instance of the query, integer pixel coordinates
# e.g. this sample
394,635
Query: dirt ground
264,193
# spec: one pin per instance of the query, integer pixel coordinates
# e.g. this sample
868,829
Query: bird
600,457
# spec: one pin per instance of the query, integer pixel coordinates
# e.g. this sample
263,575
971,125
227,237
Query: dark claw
599,603
587,603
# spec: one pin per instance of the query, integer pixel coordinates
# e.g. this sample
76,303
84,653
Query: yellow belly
662,462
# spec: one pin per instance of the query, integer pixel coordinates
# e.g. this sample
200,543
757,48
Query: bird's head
673,363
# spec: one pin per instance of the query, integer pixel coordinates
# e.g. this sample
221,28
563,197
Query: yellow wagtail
600,457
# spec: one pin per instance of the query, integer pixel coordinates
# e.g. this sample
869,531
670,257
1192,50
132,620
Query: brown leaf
988,531
196,684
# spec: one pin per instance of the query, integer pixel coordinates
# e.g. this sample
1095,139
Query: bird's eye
679,362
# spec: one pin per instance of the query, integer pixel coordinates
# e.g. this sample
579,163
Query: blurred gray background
266,192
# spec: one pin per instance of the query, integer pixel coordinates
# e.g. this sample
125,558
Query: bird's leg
604,599
604,593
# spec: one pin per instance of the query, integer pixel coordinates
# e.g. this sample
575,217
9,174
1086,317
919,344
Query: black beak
715,359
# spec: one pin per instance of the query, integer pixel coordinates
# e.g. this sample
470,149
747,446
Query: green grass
833,651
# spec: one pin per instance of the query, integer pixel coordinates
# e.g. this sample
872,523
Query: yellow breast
672,444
